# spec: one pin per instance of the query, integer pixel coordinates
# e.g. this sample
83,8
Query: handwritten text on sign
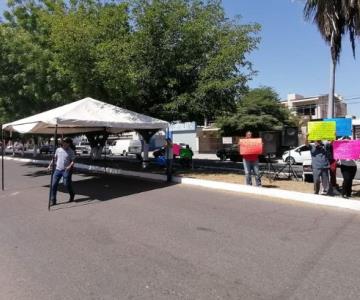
322,131
251,146
343,126
346,149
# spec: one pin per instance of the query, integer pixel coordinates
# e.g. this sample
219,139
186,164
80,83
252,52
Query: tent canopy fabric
86,115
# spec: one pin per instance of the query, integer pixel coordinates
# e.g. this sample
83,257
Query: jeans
348,173
250,165
66,175
322,173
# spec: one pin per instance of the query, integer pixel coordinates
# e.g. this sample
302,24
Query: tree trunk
331,99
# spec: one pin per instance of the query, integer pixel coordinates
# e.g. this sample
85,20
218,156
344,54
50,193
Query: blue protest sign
343,126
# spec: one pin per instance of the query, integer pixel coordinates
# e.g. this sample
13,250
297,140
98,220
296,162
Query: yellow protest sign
322,130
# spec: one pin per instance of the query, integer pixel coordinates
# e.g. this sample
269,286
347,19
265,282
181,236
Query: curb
215,185
97,169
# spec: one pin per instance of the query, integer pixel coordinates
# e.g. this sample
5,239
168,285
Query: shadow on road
109,187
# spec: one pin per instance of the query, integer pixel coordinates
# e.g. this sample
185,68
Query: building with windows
314,107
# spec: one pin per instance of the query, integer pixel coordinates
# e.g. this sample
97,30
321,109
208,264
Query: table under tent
87,116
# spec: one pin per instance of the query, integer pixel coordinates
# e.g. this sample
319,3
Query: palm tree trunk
331,99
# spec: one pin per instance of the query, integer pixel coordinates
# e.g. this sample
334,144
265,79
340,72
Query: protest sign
343,126
322,130
251,146
346,149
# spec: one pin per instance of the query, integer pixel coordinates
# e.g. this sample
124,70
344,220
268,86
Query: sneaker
52,202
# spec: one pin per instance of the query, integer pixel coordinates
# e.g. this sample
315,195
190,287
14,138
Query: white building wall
186,138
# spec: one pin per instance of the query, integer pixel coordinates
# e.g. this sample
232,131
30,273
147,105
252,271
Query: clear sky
292,57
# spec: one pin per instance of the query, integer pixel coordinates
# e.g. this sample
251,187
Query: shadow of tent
109,187
38,173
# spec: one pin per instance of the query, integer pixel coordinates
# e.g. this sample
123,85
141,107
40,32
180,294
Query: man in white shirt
64,163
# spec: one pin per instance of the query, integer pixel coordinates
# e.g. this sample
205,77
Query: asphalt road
132,239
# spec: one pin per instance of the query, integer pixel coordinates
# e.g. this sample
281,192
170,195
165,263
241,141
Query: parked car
297,155
8,150
307,171
120,147
16,148
106,150
231,152
136,148
47,149
83,148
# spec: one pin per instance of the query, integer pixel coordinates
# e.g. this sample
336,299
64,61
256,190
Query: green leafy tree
335,18
172,59
29,82
259,110
188,59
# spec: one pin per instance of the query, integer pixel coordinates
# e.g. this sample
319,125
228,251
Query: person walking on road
320,154
251,163
64,163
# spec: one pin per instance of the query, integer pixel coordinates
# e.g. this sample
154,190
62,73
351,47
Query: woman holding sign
251,163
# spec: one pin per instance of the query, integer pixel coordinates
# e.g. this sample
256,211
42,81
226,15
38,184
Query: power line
351,99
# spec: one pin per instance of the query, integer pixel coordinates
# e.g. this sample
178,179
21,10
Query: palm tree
334,18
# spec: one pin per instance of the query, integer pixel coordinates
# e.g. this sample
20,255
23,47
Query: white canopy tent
86,115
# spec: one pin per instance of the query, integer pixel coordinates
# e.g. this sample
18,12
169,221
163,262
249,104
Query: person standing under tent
64,163
320,153
251,163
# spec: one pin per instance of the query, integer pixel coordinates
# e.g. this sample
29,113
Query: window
308,110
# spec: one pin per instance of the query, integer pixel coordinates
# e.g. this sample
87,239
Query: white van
136,147
120,147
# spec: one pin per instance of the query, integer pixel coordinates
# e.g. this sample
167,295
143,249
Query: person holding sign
251,163
320,154
347,151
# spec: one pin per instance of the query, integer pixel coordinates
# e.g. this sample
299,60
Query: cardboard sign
343,126
322,130
346,149
251,146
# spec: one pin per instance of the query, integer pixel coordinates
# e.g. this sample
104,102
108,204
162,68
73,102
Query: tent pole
2,159
53,166
105,164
